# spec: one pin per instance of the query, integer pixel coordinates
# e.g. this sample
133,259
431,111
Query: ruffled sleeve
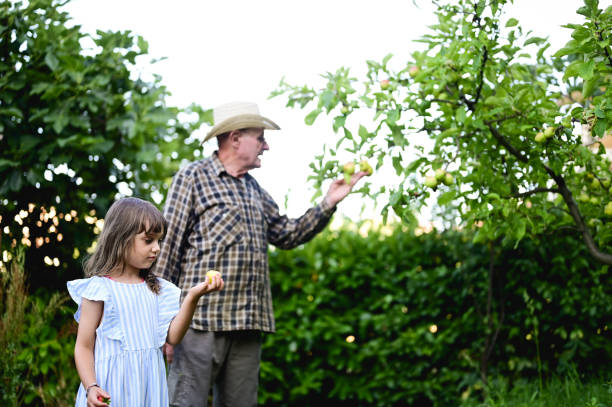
92,288
96,289
168,306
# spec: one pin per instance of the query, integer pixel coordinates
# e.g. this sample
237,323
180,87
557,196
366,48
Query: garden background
506,300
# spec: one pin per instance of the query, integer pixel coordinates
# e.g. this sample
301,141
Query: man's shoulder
195,167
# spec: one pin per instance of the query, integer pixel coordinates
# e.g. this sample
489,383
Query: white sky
221,51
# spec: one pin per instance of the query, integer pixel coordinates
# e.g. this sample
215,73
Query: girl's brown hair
125,219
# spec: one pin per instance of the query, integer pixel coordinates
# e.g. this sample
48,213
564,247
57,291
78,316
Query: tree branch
502,140
574,211
535,191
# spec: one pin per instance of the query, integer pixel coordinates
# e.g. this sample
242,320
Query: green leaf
339,121
143,45
413,166
105,147
11,111
312,116
26,143
586,69
61,120
512,22
520,228
363,133
534,40
393,116
146,156
588,87
51,61
326,99
446,197
62,142
4,163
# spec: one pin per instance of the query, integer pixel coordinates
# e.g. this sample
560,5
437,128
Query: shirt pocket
224,225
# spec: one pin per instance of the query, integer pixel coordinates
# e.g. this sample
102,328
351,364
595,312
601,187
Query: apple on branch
430,181
413,71
608,209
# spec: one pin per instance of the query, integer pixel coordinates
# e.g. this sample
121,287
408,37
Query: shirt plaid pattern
216,221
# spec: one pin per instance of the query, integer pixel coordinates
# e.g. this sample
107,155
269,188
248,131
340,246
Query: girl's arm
180,323
91,315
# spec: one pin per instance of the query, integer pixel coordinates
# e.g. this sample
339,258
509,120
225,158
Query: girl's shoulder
93,288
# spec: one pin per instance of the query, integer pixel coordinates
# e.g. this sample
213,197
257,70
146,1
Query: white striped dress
128,359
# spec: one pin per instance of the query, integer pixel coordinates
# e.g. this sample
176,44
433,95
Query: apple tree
78,127
506,134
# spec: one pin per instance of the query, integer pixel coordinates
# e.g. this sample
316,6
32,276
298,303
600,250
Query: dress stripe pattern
128,359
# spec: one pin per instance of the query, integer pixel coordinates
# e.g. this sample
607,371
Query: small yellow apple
549,132
448,179
430,182
365,167
210,274
540,137
348,168
608,209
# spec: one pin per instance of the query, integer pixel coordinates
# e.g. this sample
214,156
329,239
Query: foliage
37,344
393,319
12,307
519,132
568,391
77,128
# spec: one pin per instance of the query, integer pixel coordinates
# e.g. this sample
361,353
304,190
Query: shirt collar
217,165
219,169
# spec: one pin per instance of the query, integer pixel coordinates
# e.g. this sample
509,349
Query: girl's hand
213,282
96,397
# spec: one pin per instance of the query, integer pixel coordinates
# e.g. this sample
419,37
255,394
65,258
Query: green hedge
417,310
379,320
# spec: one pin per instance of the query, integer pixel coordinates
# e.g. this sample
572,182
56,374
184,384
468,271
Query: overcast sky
221,51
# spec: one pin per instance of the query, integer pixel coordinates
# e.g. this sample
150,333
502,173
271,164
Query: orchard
505,133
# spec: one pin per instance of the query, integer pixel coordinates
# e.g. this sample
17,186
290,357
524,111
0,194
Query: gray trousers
229,361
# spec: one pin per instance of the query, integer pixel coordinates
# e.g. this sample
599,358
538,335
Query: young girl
126,313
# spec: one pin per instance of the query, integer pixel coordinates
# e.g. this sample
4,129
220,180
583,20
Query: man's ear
234,137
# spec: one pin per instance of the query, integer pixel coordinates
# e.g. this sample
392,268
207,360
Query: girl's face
143,251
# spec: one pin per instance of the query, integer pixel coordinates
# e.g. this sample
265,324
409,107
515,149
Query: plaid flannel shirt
217,221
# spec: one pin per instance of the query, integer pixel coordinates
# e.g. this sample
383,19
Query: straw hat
236,116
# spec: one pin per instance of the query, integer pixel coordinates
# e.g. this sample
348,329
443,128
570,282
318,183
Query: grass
569,391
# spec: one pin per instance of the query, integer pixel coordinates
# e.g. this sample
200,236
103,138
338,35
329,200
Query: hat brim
243,121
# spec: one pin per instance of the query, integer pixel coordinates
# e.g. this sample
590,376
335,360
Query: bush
36,344
396,320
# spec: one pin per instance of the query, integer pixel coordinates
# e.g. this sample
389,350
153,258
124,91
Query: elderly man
220,218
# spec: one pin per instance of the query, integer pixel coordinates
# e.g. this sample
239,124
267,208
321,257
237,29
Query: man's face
252,145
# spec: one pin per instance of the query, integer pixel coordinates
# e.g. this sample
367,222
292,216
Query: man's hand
339,189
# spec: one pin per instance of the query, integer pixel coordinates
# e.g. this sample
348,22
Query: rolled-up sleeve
287,233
